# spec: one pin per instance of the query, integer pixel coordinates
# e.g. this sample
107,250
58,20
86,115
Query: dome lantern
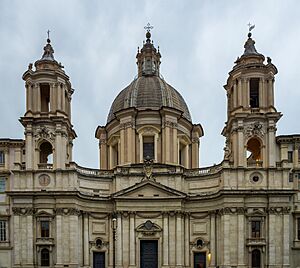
148,58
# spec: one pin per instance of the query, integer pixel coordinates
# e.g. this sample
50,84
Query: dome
148,92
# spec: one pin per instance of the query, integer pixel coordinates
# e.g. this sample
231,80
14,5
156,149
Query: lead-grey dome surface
148,92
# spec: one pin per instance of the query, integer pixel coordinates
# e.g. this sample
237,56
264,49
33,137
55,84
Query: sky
97,42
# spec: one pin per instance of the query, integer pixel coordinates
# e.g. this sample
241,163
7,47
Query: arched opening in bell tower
254,155
46,153
45,98
254,92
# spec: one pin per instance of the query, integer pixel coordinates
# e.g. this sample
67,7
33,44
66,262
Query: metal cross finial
148,27
250,26
48,33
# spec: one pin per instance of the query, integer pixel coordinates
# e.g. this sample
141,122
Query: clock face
44,180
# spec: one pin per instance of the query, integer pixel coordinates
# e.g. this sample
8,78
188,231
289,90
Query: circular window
255,178
99,243
199,243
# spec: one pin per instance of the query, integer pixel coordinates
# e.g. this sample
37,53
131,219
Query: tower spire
148,58
48,50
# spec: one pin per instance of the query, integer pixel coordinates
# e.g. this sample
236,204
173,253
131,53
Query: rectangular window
254,92
3,227
2,159
2,185
148,147
290,156
298,228
45,229
255,229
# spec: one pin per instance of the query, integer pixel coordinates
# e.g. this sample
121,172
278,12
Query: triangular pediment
149,189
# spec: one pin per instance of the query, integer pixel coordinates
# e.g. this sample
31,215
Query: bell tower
251,115
49,133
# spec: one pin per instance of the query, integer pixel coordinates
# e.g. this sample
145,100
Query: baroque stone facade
149,204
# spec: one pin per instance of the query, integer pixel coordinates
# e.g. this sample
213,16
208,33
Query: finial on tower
251,27
48,39
48,49
148,27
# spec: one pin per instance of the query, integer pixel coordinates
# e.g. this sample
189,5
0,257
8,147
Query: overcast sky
97,41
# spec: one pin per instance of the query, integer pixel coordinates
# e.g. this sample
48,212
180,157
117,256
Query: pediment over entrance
149,189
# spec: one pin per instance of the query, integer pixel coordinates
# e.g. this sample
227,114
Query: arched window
254,156
46,152
255,258
45,257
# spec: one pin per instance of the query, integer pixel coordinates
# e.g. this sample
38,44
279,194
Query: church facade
150,204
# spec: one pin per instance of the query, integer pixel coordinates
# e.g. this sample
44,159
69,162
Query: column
86,256
17,237
167,143
59,245
241,239
119,248
74,238
132,240
125,239
172,234
239,90
165,239
296,156
141,147
186,156
23,235
29,147
272,91
241,148
247,93
272,234
29,239
57,159
187,239
234,96
213,239
174,145
261,93
38,98
63,99
286,240
122,151
52,92
66,239
272,146
226,237
155,147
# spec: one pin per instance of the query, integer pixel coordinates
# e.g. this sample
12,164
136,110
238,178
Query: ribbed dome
148,92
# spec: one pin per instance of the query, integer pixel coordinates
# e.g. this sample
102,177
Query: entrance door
199,260
99,260
149,255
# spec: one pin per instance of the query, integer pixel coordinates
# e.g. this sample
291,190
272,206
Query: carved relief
148,228
24,211
44,133
44,180
67,211
254,129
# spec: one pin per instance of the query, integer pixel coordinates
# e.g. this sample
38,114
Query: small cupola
148,58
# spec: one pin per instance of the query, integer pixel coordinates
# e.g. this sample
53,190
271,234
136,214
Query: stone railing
254,163
203,171
45,166
91,172
256,241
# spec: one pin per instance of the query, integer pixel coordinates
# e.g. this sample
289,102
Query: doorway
200,260
148,254
99,260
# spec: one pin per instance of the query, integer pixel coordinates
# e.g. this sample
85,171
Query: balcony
256,241
254,163
44,241
45,166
